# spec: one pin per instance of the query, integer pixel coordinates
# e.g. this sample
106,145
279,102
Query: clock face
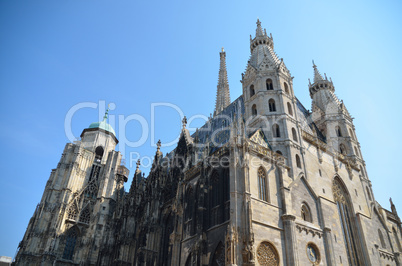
312,253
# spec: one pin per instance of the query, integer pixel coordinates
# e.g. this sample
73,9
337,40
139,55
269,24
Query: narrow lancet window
269,84
271,104
262,185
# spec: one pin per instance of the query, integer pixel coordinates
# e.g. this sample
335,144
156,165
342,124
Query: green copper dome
102,125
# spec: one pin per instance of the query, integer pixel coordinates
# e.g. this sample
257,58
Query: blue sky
57,54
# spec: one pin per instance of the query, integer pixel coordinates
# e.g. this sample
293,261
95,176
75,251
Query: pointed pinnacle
259,31
317,75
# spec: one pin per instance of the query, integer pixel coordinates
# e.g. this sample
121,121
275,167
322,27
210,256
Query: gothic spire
259,31
317,74
222,93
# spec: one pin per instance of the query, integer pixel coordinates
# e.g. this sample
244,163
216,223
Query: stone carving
267,255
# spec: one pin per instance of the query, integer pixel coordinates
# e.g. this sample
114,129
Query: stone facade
263,182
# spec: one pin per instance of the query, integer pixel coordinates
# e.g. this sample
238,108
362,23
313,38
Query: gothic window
72,212
347,218
398,243
305,213
71,240
279,152
285,85
94,172
91,191
381,239
368,193
267,254
254,110
167,231
290,111
294,135
189,210
342,149
351,134
85,216
188,261
271,104
219,256
276,132
252,91
362,170
338,131
98,153
356,151
298,162
226,194
262,185
219,197
270,86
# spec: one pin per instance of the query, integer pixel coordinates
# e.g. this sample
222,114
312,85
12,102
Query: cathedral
263,182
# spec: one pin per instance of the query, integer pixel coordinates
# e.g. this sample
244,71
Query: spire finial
223,50
158,145
317,75
138,165
184,121
106,113
259,31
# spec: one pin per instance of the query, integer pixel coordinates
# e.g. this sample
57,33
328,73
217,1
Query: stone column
398,258
290,239
329,248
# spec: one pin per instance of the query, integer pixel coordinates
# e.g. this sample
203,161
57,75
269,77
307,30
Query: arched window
368,193
71,240
85,216
342,149
398,243
254,110
338,131
189,261
262,185
271,104
219,255
98,153
252,91
279,152
276,131
189,209
285,85
294,135
267,254
290,111
356,151
362,170
270,86
305,213
298,162
351,134
347,218
219,197
381,239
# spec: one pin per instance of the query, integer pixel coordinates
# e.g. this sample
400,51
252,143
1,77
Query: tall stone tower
79,198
